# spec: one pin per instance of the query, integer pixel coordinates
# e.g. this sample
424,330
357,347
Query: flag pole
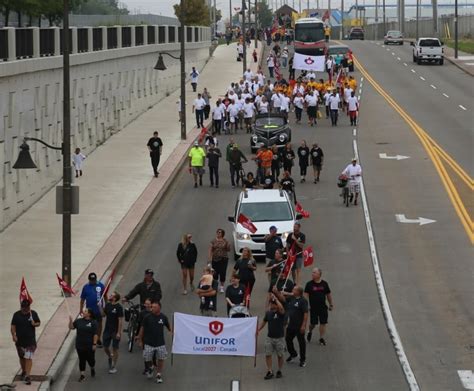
256,345
107,286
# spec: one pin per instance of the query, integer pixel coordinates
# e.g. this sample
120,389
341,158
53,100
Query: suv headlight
282,137
255,138
285,235
243,236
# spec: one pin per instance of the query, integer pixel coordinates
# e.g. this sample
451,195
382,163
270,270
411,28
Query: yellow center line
436,154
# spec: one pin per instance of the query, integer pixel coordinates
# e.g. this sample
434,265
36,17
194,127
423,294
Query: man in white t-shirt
263,106
327,97
347,94
354,172
249,110
217,115
353,108
233,111
334,101
248,75
298,103
311,75
311,100
261,78
284,106
276,102
194,78
198,108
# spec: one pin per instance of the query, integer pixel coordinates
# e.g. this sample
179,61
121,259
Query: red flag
24,294
202,135
290,261
107,285
299,209
246,223
308,256
64,286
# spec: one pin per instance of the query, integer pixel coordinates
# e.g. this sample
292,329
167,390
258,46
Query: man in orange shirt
264,160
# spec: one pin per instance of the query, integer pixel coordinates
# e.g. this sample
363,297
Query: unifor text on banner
203,335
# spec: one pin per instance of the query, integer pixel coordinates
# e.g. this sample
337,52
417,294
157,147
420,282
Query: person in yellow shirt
327,33
352,83
197,159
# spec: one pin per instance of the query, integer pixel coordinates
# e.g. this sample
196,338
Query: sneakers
185,292
291,358
92,372
221,289
149,374
302,364
27,380
279,374
308,337
159,379
269,375
322,342
113,370
81,378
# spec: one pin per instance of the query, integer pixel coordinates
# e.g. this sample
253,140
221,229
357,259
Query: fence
426,27
34,42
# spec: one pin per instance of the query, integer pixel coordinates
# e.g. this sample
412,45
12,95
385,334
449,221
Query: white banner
214,336
309,63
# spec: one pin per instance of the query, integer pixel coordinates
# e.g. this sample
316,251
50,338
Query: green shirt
198,156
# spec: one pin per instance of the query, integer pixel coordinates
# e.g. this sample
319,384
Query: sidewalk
116,191
465,61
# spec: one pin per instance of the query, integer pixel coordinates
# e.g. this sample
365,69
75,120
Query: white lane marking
360,90
354,132
361,79
422,78
445,95
393,53
391,327
462,107
399,59
235,385
469,63
396,157
413,70
388,49
383,46
358,97
377,43
467,379
405,64
419,220
433,86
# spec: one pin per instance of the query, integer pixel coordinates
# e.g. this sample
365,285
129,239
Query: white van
264,207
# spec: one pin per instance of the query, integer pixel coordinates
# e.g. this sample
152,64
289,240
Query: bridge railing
34,42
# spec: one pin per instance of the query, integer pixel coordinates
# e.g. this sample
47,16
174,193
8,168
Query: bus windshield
309,32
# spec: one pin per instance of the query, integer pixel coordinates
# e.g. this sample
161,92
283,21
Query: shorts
110,338
354,187
275,345
158,352
198,171
318,315
185,265
26,352
298,263
248,121
318,167
312,111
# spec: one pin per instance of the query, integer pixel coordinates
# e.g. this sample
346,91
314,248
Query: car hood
269,129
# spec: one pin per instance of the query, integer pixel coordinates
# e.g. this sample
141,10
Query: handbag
318,114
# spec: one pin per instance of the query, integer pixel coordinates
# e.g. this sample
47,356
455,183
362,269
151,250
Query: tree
265,15
100,7
218,13
6,7
196,13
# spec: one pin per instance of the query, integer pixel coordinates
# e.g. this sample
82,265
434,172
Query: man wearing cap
197,158
354,172
149,288
23,325
91,295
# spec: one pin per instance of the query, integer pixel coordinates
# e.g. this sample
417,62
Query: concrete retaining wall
108,90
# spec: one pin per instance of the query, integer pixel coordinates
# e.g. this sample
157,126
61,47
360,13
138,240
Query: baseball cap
149,271
273,228
196,143
92,276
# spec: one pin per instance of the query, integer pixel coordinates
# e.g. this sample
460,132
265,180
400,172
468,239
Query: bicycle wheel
131,334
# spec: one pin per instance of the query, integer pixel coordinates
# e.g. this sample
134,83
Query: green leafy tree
196,13
6,6
265,14
100,7
218,13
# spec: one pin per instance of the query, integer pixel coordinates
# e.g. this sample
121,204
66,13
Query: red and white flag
308,256
64,286
290,261
299,209
24,294
107,285
245,222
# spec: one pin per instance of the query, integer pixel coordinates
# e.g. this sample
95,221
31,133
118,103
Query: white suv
264,207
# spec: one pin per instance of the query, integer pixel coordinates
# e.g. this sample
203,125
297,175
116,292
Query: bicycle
131,316
342,182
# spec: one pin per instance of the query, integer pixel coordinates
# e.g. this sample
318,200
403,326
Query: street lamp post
160,66
456,37
244,60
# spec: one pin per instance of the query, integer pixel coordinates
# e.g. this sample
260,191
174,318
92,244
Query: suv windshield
266,211
429,43
269,122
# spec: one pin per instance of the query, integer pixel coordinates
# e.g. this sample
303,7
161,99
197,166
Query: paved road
427,270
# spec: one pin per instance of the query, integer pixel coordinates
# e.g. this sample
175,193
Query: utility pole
417,19
182,65
376,19
456,29
434,4
230,15
214,11
244,60
342,21
384,17
257,9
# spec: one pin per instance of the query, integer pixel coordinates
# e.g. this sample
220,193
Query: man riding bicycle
354,172
149,288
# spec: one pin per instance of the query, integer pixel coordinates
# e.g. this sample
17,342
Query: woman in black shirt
86,341
245,267
250,182
276,163
303,157
288,157
187,256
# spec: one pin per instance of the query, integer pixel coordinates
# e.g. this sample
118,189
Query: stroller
239,311
342,182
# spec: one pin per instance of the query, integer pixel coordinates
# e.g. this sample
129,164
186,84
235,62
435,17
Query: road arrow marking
467,379
396,157
419,220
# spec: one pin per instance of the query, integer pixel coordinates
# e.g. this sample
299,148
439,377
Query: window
267,211
309,33
430,43
269,121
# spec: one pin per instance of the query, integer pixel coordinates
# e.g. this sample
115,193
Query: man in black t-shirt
152,339
317,292
317,157
23,325
272,243
275,341
234,293
296,307
113,330
155,146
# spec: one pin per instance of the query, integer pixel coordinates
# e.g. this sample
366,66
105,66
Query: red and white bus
309,37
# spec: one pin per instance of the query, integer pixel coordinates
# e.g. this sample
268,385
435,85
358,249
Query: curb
456,63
